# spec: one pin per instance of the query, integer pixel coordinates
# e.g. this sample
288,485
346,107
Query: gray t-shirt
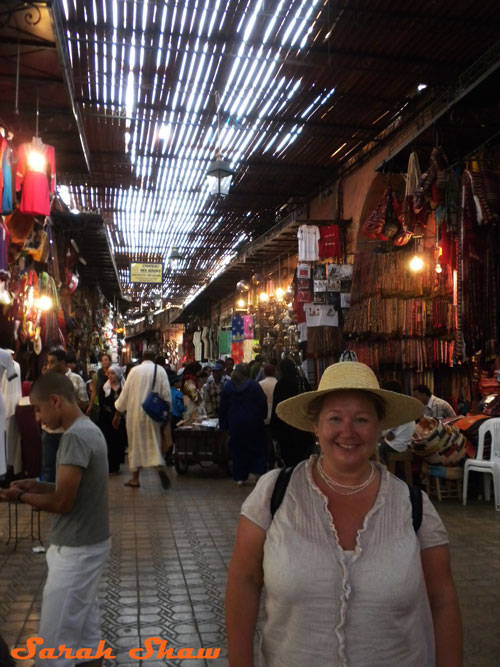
84,445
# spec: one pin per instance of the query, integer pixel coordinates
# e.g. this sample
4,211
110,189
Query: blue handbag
154,406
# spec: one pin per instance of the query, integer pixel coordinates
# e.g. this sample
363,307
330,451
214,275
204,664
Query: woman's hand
116,421
444,606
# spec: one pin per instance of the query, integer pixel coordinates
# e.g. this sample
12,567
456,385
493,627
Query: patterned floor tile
167,571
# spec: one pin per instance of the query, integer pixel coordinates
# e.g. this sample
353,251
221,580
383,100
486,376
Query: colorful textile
248,326
224,342
247,351
237,329
237,352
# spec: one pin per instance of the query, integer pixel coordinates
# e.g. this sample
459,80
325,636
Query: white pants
70,610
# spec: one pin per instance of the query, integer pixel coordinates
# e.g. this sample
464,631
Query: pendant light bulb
44,303
438,268
416,264
241,303
263,297
279,294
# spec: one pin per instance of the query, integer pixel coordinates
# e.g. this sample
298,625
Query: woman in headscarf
294,445
116,438
242,411
193,402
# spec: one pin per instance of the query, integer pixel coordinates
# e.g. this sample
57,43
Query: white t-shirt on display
308,236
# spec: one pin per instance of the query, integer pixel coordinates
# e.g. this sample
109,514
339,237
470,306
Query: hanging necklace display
345,489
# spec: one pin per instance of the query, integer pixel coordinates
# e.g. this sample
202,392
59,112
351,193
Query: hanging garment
329,243
237,352
36,167
308,236
4,248
11,393
6,177
8,369
247,351
224,342
318,315
198,347
237,329
248,326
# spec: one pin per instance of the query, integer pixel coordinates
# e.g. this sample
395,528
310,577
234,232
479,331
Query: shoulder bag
154,406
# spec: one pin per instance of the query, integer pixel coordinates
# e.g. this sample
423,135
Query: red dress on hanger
36,166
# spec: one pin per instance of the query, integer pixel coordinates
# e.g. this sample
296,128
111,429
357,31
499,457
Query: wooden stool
447,482
405,458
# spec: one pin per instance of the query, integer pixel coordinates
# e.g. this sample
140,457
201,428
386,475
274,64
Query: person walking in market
212,390
57,363
294,445
80,539
242,411
98,380
144,434
116,436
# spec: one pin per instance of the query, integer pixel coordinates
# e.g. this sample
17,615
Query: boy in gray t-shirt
80,539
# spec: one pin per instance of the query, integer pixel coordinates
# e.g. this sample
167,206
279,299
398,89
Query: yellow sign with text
141,272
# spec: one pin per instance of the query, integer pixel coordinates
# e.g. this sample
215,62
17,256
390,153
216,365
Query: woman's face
105,362
112,377
348,429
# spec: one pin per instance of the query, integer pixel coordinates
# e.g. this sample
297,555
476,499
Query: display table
200,445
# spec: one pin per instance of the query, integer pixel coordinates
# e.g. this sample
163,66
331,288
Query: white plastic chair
491,465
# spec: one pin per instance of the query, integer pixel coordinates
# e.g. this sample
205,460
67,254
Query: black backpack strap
154,378
280,488
416,506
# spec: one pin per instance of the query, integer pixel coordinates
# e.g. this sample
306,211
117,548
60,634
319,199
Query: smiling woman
342,557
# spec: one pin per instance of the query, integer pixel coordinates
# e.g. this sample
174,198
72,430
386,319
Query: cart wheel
181,467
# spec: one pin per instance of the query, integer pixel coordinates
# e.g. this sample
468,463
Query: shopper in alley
242,411
57,363
80,539
143,433
294,444
355,565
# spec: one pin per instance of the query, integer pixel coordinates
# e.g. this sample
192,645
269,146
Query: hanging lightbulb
44,303
417,263
241,303
263,296
438,268
279,294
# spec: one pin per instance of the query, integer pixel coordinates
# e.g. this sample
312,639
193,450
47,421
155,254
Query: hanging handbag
154,406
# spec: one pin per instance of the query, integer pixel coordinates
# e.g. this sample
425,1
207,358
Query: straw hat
399,409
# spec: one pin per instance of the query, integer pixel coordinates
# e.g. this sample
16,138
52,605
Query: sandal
135,485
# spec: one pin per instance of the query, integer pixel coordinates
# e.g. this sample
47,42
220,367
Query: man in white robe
144,434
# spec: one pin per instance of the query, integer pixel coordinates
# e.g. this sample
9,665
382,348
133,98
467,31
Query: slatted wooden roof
298,86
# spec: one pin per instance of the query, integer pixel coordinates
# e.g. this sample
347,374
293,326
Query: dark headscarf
240,374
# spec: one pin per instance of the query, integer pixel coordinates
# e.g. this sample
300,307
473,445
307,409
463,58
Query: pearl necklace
345,489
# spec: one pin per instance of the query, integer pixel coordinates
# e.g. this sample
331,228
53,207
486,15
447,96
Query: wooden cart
199,445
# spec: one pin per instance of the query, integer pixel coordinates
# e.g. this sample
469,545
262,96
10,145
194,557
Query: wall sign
141,272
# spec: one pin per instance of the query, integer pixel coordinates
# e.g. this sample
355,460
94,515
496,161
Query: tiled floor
167,571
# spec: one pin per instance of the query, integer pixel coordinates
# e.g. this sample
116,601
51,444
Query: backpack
286,473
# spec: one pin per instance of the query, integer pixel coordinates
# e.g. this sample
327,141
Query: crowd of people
343,541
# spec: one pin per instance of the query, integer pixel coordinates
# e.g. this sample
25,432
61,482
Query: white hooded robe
144,436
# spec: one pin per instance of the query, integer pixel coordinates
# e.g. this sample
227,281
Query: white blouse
325,607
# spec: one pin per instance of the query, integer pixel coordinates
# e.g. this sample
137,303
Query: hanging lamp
174,259
219,173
